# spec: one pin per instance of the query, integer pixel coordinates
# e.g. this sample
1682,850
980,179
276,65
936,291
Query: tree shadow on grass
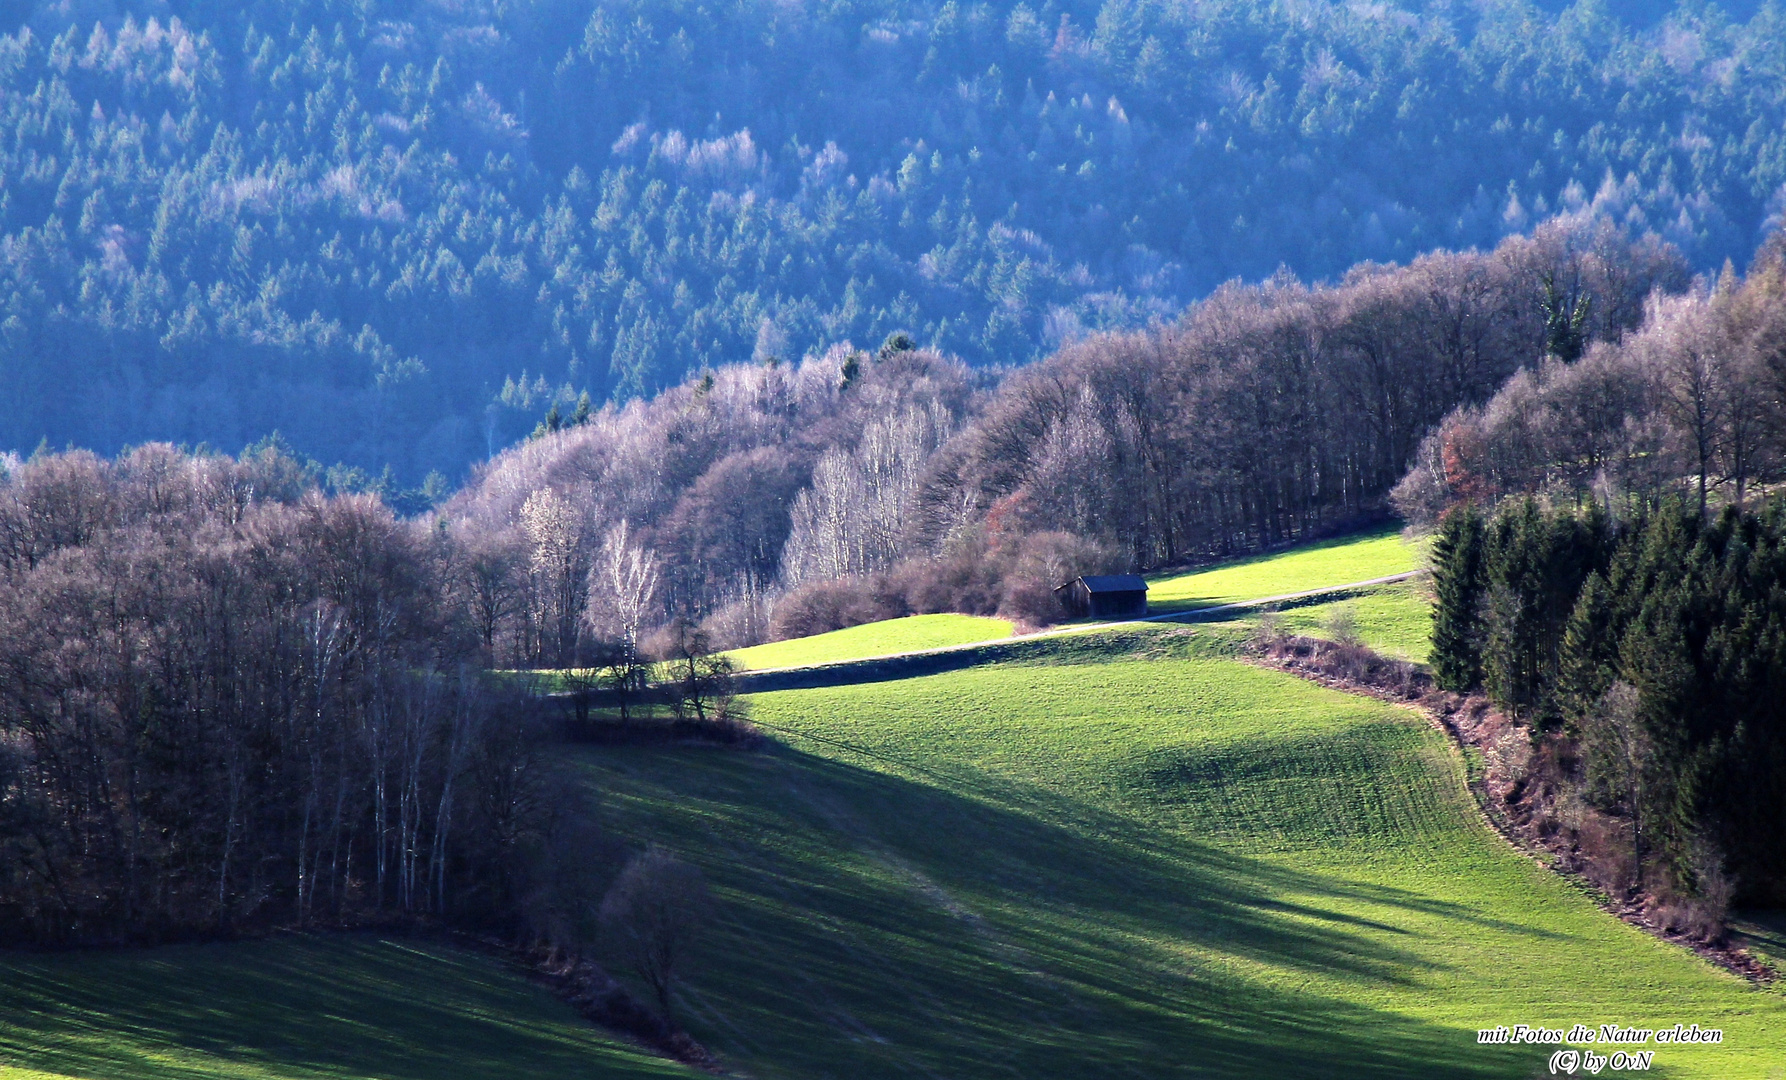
1182,774
296,1005
880,925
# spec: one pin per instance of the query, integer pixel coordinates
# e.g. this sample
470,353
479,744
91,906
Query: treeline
1692,403
1271,413
228,701
775,500
706,504
1655,646
399,232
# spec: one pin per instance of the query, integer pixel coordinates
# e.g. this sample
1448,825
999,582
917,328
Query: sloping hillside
1377,553
874,639
1392,617
294,1008
399,231
1167,863
1115,853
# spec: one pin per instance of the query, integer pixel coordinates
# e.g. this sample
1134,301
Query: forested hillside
1692,404
1609,569
398,231
1646,653
794,499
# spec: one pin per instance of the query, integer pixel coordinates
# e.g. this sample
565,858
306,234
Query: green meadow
884,638
1386,615
1340,561
1164,863
1393,619
296,1006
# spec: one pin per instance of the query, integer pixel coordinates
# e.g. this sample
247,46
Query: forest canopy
400,231
788,499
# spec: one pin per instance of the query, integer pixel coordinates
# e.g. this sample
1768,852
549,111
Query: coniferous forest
398,232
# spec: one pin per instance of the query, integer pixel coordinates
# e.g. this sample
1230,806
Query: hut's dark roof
1102,583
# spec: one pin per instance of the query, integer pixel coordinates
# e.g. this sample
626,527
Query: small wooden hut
1105,596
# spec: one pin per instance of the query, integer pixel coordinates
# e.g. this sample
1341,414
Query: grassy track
1359,557
874,639
298,1007
1171,866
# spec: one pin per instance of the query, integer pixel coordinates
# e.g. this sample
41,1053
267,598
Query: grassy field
1763,933
1167,865
299,1007
874,639
1386,617
1359,557
1128,854
1395,619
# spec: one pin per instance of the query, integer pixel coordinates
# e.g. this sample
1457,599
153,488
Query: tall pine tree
1457,616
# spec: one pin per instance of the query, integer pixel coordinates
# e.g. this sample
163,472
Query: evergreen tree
1565,321
1534,566
897,342
1457,618
1589,661
1512,663
1664,646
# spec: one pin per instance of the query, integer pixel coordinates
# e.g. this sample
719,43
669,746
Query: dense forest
1655,646
1608,568
399,231
1693,403
777,499
228,700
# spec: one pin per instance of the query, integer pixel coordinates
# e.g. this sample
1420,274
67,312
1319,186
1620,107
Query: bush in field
1341,626
823,606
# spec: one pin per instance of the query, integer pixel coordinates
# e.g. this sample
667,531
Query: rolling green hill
1340,561
295,1007
873,639
1123,853
1167,863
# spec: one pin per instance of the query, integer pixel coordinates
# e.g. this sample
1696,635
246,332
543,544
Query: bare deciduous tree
701,678
557,560
852,520
1690,365
217,708
622,585
654,914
